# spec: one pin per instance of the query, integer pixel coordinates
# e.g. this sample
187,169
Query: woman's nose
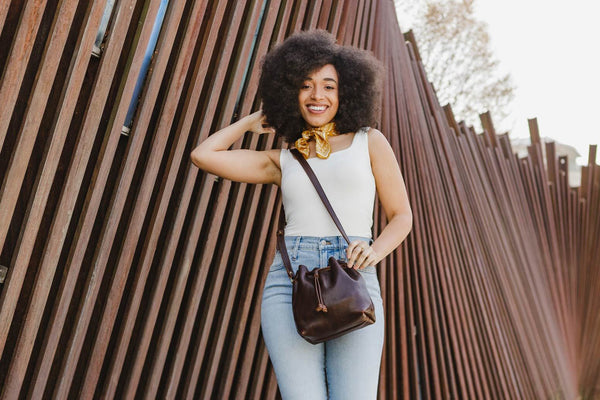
317,93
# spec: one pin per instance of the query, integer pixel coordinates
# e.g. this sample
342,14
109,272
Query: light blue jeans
343,368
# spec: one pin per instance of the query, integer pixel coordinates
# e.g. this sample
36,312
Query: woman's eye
329,87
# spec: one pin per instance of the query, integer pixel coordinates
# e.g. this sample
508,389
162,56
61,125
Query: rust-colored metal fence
130,273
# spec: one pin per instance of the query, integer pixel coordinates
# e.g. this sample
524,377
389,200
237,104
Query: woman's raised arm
251,166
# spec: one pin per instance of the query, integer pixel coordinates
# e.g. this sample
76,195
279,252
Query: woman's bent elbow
197,158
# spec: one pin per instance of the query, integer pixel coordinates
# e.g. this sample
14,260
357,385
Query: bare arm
394,199
251,166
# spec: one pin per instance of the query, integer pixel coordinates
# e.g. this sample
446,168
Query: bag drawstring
321,306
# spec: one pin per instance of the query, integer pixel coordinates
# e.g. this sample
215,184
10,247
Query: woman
321,97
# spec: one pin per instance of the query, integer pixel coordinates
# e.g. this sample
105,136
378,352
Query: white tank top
348,182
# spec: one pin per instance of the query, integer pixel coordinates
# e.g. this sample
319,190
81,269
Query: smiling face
318,96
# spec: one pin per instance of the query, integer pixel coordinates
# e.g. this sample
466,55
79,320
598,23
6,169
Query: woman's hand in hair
258,123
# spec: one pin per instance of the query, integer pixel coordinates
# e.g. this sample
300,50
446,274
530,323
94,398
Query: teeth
317,108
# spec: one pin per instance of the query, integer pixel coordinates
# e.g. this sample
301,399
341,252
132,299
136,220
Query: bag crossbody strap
280,231
281,245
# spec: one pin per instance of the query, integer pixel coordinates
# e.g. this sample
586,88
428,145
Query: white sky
551,49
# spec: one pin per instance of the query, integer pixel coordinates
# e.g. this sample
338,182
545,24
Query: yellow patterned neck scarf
321,136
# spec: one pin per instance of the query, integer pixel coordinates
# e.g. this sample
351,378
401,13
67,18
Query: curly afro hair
286,67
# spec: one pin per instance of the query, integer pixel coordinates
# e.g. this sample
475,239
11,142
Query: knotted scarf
321,137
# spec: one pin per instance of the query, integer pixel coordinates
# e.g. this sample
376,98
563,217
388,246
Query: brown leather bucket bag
331,301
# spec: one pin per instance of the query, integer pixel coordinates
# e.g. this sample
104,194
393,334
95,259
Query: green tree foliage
455,49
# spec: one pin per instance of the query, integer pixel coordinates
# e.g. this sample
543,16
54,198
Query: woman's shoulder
373,134
377,141
368,131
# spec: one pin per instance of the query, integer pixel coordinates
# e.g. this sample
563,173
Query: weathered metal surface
130,273
48,170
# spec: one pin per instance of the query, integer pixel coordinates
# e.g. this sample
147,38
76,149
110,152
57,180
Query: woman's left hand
360,255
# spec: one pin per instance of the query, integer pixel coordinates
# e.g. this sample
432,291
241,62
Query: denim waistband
321,243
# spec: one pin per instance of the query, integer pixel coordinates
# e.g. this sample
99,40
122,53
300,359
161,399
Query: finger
360,260
368,260
349,249
354,257
265,126
349,255
355,248
352,245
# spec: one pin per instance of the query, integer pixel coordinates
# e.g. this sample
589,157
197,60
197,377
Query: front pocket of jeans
308,257
277,263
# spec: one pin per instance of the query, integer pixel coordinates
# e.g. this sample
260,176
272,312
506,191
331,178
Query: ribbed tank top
348,182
